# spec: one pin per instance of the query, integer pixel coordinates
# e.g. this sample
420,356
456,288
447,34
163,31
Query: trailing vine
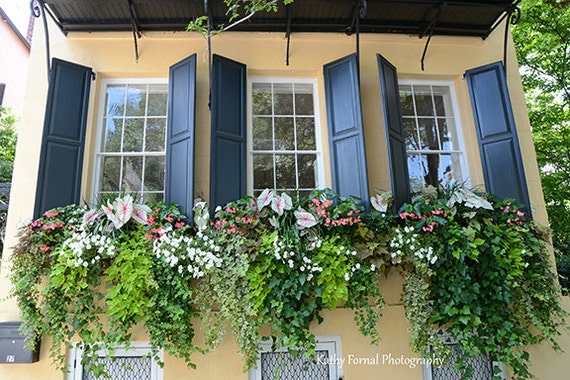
476,271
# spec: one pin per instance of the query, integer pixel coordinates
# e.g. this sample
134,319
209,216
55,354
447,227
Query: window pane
154,174
132,174
406,101
304,99
124,368
133,137
284,133
136,100
445,135
283,98
307,170
428,134
263,171
115,102
113,132
261,99
285,172
424,105
155,135
416,172
262,133
111,173
441,97
411,134
157,95
306,133
153,197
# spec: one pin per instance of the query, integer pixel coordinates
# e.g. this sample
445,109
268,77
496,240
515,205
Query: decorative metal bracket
429,31
136,27
513,17
38,9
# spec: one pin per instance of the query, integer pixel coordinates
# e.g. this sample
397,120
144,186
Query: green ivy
476,272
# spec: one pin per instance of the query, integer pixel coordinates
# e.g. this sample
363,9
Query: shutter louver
228,142
179,178
501,158
395,139
61,157
346,135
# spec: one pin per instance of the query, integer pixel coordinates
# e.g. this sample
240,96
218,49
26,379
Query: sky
19,13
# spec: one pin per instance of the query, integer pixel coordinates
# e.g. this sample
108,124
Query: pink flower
51,214
45,247
179,224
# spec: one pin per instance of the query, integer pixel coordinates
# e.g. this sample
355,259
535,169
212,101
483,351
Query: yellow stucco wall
111,55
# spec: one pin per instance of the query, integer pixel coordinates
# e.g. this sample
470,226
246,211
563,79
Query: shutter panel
61,157
228,150
346,136
498,143
395,139
179,178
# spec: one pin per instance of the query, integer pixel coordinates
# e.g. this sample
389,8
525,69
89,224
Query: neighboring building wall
112,56
14,57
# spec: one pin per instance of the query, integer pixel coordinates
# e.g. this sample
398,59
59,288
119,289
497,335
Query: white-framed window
283,135
433,133
131,143
134,363
483,367
282,365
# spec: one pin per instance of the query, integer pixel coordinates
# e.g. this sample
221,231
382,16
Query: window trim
100,127
137,349
461,148
331,343
319,179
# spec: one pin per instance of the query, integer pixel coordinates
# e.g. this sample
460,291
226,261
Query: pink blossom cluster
321,209
517,214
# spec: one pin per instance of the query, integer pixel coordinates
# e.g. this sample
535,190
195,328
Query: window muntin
432,134
283,140
132,141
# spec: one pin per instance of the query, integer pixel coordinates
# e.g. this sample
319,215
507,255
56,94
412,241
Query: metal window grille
124,368
482,368
284,366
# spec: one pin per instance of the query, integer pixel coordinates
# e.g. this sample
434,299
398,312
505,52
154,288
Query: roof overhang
476,18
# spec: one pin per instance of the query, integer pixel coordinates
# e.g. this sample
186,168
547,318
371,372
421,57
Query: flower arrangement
475,269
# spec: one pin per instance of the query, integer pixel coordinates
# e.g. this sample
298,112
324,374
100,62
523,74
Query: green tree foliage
7,144
542,39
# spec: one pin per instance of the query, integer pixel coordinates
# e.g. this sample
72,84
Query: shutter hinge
93,75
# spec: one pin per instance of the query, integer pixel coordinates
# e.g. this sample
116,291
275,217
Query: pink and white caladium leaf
281,203
140,213
304,219
381,201
265,198
109,211
91,216
123,209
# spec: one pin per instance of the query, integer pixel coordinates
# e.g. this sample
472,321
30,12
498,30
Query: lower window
483,368
132,364
282,365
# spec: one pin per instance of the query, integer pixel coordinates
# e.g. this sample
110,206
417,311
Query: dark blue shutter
498,143
395,139
179,179
61,157
346,136
228,150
